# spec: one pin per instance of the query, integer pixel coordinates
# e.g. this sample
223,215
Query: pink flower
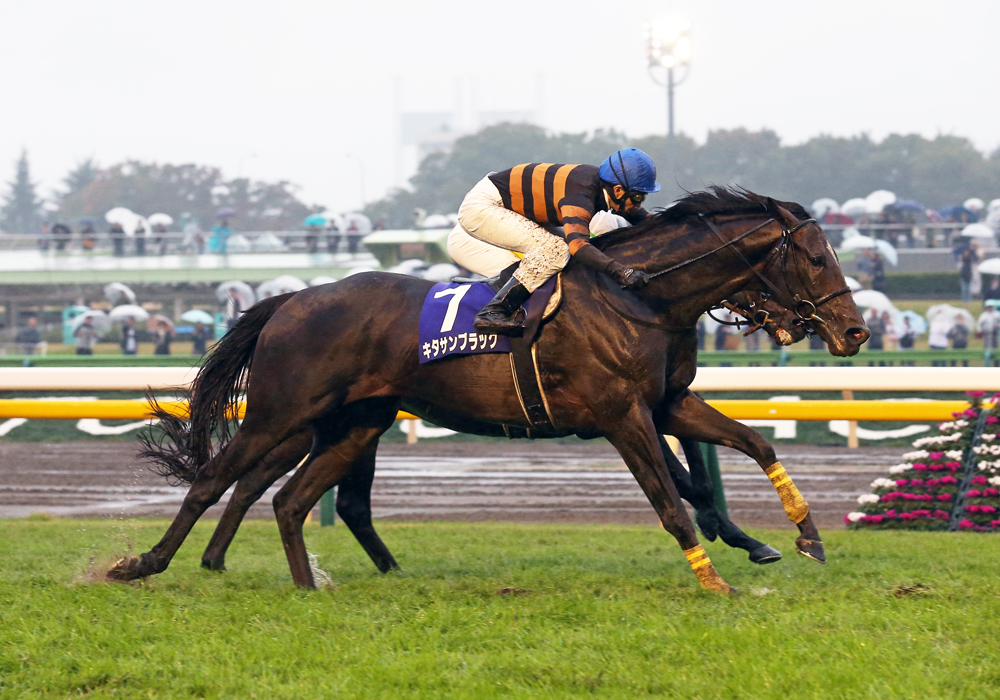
920,467
969,413
936,455
901,482
995,524
917,482
967,525
959,414
976,394
979,479
892,496
936,467
971,509
987,509
933,482
944,497
875,519
891,513
921,513
953,465
948,480
942,514
992,420
990,493
907,516
973,493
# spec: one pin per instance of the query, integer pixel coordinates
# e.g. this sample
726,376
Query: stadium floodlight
668,47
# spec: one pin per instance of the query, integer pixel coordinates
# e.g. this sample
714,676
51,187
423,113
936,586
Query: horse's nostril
859,335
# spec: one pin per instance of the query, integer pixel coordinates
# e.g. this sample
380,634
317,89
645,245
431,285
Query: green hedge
917,284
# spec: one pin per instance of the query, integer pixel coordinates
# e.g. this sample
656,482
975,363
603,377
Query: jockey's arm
576,229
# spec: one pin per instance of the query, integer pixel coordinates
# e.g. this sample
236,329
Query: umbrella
856,240
824,205
361,222
158,219
244,293
973,204
870,299
102,324
119,215
280,285
334,221
442,272
197,316
237,243
917,322
321,280
225,213
992,302
909,205
159,320
990,267
86,222
120,313
266,243
315,220
117,292
436,221
291,283
884,248
933,217
852,284
977,231
992,206
408,267
879,200
854,207
949,312
837,218
956,212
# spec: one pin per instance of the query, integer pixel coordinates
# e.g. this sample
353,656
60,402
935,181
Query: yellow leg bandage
795,505
703,569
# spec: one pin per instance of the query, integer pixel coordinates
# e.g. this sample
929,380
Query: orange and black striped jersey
554,194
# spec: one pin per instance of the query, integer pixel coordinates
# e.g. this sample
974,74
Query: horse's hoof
812,549
765,555
125,569
708,524
213,566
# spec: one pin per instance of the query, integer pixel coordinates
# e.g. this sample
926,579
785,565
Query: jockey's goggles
637,197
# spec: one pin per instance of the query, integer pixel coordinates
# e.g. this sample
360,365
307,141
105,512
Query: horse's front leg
637,441
689,416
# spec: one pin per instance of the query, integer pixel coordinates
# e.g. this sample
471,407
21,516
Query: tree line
935,172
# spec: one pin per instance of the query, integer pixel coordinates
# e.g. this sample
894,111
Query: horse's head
815,283
764,312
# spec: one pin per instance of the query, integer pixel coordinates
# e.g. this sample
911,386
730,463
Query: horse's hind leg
702,497
691,417
354,506
219,474
249,489
336,449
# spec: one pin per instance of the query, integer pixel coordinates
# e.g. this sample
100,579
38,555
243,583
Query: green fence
100,360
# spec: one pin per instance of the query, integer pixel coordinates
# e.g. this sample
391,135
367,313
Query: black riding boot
504,315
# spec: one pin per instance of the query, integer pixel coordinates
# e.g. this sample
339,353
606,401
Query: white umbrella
291,283
237,243
870,299
117,292
164,219
244,293
887,252
407,267
197,316
823,206
102,324
442,272
973,204
949,312
990,267
977,231
119,215
120,313
436,221
361,222
852,284
280,285
878,200
857,241
994,205
321,280
854,207
884,248
917,322
267,243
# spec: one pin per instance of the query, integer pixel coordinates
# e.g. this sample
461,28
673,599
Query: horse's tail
180,447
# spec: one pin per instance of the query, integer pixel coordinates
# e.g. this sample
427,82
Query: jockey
510,210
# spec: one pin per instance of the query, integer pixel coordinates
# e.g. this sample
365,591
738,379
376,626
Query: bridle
805,309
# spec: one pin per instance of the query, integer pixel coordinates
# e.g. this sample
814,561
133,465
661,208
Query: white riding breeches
475,255
483,216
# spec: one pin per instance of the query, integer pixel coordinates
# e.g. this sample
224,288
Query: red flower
891,513
944,497
971,509
901,482
920,467
936,455
990,493
987,509
933,482
979,479
921,513
973,493
917,482
942,514
907,516
875,519
948,480
995,524
936,467
992,420
967,525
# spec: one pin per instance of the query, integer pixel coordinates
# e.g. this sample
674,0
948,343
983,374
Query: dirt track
520,481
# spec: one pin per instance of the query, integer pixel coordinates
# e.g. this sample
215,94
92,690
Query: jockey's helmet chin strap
623,184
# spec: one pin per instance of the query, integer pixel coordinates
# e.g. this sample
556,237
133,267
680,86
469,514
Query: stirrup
495,323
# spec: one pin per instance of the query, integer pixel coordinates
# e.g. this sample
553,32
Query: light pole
668,46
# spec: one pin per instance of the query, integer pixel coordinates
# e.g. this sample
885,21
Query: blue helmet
632,169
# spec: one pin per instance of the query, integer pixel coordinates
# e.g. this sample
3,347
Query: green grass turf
612,612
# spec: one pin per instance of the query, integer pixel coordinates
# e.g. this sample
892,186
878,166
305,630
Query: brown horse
694,484
341,360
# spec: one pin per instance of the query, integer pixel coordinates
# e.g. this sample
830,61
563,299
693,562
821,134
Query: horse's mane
714,201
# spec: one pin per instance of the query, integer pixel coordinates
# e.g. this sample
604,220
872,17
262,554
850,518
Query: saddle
524,359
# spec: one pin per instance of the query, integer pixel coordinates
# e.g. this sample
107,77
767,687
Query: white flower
919,454
900,468
953,454
881,483
855,517
989,437
868,498
995,481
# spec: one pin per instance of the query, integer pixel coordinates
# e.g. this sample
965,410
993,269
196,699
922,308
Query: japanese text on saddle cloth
510,210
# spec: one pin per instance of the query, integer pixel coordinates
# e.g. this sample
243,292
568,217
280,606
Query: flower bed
921,492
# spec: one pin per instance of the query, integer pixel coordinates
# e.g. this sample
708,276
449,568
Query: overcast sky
285,90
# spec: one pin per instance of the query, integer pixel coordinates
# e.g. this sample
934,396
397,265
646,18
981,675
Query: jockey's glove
629,278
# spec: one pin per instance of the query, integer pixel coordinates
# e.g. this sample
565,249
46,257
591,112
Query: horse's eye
818,260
